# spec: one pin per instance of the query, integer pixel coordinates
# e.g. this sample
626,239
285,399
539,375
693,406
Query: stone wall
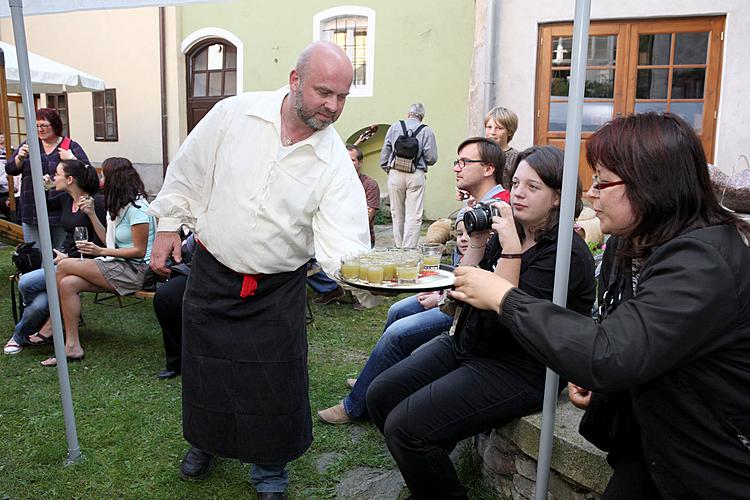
507,458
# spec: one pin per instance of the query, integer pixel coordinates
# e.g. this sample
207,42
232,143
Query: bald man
266,183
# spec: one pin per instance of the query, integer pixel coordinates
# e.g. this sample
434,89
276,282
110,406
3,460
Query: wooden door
211,77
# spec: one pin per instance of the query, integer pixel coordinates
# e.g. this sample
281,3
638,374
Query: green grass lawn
129,424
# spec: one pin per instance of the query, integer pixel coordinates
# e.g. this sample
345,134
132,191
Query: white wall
518,33
122,47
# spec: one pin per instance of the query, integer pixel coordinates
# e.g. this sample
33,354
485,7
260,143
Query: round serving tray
440,281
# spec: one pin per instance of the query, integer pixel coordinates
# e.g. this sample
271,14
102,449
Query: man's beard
308,118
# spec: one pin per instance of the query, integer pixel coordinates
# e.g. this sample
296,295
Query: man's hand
166,243
578,396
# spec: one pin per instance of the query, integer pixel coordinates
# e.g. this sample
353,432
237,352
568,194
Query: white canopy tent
47,75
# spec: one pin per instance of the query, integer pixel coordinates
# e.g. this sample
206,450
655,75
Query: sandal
39,339
12,347
52,361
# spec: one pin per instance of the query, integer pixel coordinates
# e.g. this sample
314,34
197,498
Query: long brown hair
666,175
122,185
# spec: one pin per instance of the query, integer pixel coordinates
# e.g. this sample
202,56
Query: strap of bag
403,128
13,299
417,130
65,144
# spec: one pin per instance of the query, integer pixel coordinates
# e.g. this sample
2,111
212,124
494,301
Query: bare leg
74,277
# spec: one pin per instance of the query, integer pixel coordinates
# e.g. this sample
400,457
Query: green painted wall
423,53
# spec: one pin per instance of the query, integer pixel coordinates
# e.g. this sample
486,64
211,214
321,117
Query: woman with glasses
668,355
478,378
53,148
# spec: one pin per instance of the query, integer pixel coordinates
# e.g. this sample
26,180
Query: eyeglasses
598,186
461,162
43,126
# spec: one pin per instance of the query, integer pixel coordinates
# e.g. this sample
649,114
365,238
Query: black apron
244,364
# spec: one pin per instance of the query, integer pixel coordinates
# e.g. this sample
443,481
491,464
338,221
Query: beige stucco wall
120,46
517,49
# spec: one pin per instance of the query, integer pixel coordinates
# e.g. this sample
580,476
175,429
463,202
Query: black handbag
27,257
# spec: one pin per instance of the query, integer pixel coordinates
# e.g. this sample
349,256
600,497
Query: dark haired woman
458,386
672,330
79,205
123,263
53,147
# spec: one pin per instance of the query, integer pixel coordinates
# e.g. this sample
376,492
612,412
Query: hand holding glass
80,235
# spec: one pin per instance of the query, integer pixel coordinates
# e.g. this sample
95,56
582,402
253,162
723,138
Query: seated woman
129,236
460,385
411,322
78,183
672,330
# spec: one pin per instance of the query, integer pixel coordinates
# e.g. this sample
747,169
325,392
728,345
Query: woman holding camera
672,333
122,264
80,205
478,378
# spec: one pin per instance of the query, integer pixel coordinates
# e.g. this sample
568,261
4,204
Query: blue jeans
408,326
34,293
269,478
31,233
320,282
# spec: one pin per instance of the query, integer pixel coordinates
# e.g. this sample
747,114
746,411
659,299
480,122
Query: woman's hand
88,248
66,154
479,288
86,205
23,152
428,300
505,227
578,396
58,256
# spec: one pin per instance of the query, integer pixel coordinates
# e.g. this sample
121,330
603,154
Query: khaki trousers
406,194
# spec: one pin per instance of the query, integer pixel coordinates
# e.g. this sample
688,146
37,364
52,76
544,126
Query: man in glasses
266,184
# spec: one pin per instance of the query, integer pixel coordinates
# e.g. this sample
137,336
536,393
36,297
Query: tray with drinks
397,270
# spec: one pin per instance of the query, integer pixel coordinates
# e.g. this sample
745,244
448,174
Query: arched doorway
211,76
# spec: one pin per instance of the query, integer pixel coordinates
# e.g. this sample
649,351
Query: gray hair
417,110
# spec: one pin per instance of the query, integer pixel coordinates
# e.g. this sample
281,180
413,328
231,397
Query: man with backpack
408,150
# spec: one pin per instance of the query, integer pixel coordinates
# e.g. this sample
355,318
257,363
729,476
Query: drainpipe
491,54
163,83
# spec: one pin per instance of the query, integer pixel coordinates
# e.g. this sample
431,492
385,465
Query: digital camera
480,217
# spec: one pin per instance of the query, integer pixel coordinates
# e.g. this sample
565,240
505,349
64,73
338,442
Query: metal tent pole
579,55
19,34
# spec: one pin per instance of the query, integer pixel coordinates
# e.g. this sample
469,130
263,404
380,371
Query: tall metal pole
22,51
579,55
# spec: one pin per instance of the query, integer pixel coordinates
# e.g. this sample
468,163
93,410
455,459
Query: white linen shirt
257,206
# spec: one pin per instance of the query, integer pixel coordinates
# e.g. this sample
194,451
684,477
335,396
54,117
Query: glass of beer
431,253
407,269
350,267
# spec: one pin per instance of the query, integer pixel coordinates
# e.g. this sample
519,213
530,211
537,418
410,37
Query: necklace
287,141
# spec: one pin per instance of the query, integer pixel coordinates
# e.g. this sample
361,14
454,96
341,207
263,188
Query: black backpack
406,147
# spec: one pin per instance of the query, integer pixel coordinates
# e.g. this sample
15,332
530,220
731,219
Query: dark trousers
168,309
436,397
631,479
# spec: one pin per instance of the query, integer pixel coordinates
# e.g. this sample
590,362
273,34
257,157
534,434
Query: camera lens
478,219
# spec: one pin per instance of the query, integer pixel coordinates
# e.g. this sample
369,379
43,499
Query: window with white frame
352,29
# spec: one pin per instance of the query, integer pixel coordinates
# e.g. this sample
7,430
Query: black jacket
680,346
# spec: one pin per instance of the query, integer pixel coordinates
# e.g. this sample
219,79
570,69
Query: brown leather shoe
350,382
328,297
335,415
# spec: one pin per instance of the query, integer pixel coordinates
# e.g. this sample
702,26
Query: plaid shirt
49,165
